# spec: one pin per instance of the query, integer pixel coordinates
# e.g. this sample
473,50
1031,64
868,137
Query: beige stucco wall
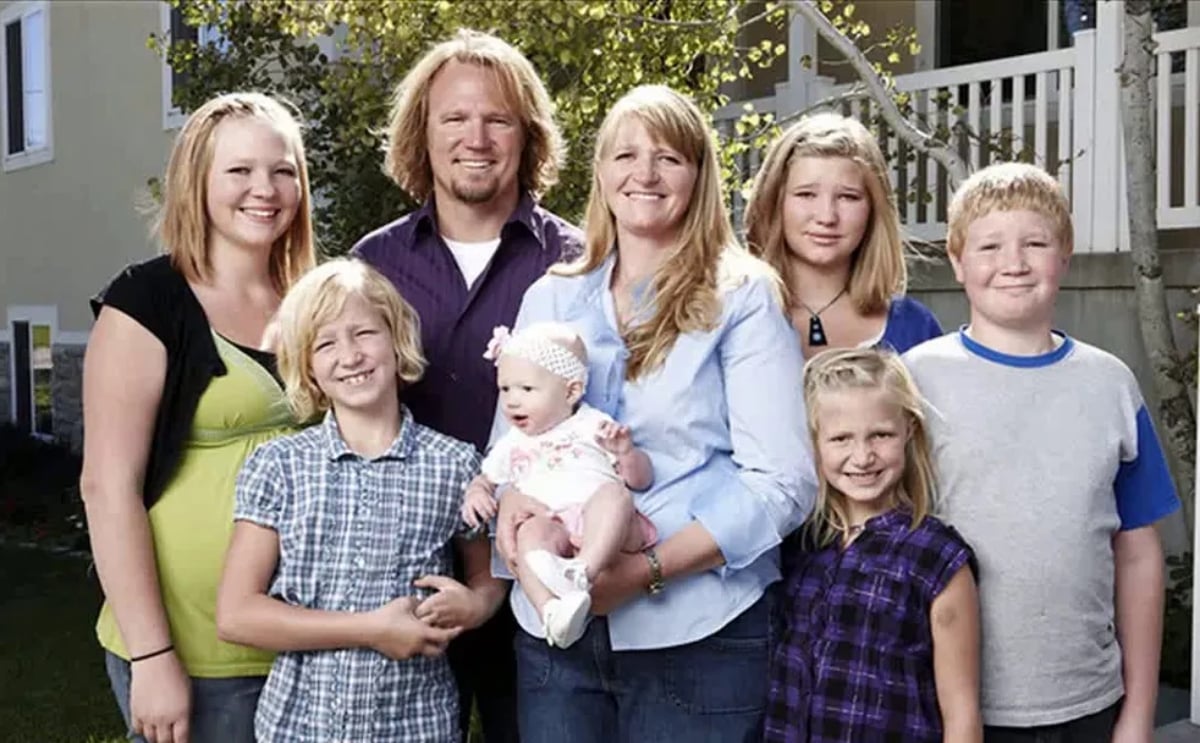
68,225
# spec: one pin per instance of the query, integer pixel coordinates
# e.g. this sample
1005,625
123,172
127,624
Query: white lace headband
533,348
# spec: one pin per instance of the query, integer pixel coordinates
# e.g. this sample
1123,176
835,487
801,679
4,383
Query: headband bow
545,353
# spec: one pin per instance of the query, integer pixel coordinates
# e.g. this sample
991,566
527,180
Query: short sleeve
260,489
495,464
1143,486
138,291
947,554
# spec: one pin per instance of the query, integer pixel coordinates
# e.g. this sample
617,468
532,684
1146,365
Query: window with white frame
27,132
31,366
174,26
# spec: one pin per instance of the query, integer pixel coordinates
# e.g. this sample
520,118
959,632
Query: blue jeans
710,690
222,709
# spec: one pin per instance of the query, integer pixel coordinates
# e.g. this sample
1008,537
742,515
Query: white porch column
795,94
1108,199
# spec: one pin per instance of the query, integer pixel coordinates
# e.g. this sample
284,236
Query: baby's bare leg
607,516
540,533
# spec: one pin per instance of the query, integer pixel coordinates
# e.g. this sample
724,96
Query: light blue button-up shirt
723,423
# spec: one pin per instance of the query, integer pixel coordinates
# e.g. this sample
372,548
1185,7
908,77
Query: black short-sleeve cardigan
156,295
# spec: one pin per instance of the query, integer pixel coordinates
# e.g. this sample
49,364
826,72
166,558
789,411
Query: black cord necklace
816,331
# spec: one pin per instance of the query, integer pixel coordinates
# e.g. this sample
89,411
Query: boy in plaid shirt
342,528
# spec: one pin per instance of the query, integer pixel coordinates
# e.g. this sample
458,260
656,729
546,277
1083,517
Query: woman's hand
160,699
453,606
515,508
624,580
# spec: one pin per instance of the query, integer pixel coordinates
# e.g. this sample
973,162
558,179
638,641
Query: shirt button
360,562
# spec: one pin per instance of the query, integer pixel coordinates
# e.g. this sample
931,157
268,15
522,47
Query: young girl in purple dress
881,640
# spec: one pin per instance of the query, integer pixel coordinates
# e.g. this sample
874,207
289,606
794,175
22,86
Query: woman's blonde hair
182,224
868,369
877,270
406,149
320,297
705,255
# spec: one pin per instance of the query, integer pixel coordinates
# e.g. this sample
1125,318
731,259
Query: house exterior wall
66,226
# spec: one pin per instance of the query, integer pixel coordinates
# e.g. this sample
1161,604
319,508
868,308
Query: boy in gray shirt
1049,466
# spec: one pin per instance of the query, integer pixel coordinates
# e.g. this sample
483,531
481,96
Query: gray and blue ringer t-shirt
1040,461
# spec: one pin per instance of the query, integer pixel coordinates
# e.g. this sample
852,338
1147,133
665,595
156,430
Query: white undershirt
472,258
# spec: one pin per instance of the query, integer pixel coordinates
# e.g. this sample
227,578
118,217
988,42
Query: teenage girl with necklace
822,212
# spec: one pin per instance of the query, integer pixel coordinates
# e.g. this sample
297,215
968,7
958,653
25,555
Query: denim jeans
222,709
1094,727
710,690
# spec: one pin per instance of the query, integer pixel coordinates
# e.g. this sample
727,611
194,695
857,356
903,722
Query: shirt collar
1021,362
336,448
897,517
527,214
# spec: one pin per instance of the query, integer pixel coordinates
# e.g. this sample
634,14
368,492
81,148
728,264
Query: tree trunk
1175,408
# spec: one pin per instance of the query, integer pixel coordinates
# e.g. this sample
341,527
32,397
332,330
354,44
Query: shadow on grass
52,682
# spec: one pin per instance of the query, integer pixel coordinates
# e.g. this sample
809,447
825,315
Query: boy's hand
614,438
1129,730
398,634
453,606
478,504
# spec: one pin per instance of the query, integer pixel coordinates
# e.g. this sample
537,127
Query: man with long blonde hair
472,137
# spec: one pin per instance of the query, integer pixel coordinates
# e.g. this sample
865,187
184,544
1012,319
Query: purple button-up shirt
855,662
457,395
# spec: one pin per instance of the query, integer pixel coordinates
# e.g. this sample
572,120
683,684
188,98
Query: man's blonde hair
705,256
182,223
319,297
407,149
868,369
877,269
1009,187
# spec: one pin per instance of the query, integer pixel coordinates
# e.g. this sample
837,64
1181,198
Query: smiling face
826,210
647,184
354,359
861,439
534,399
253,186
1010,266
475,140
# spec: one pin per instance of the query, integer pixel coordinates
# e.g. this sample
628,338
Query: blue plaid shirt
353,535
855,662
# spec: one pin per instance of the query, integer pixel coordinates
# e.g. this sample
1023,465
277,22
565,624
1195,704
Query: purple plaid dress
855,662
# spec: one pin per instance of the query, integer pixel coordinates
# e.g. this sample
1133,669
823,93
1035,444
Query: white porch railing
1059,109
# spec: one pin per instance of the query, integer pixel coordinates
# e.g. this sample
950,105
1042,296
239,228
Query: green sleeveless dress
192,521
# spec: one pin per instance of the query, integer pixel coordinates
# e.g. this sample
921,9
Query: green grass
53,688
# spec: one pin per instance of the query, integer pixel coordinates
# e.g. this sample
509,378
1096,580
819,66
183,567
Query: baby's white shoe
565,618
560,575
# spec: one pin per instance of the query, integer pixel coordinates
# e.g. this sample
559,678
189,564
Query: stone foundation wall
68,394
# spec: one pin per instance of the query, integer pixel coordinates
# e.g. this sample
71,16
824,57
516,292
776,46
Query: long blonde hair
868,369
406,158
686,285
877,270
319,297
182,223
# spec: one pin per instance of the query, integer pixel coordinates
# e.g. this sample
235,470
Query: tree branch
956,169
